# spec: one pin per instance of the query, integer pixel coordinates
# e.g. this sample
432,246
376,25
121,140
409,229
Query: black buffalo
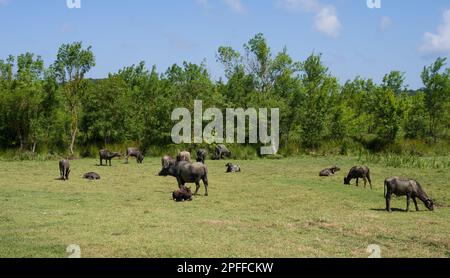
107,155
182,194
64,169
187,172
134,152
358,172
406,187
201,155
91,176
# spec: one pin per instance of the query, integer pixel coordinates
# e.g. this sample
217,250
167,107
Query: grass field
274,208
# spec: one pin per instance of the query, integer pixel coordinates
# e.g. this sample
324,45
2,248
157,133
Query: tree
437,94
71,65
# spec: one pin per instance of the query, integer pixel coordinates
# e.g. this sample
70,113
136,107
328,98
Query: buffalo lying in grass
182,194
329,171
231,168
406,187
91,176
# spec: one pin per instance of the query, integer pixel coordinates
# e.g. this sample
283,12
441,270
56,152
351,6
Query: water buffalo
64,169
231,168
408,187
221,151
329,171
182,194
91,176
201,155
358,172
187,172
184,156
106,155
167,161
134,152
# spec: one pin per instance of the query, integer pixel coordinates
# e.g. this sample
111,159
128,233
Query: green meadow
273,208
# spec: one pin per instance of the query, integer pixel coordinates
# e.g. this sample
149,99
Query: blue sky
402,35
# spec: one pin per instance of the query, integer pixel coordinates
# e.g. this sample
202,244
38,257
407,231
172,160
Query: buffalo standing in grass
108,156
329,171
167,161
221,151
184,156
406,187
358,172
182,194
186,172
201,155
134,152
64,169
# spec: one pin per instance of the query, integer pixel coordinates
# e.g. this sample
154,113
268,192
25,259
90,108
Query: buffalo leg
205,183
415,203
365,182
197,187
370,181
388,202
101,161
357,181
408,201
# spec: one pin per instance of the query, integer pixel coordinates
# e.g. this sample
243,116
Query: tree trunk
72,141
74,130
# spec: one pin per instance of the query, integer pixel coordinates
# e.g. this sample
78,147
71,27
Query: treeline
56,109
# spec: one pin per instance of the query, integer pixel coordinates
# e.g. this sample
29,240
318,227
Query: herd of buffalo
186,171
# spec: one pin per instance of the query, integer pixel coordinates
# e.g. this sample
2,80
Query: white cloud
439,42
326,19
385,22
235,5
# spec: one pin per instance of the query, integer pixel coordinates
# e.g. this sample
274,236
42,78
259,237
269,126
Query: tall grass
405,161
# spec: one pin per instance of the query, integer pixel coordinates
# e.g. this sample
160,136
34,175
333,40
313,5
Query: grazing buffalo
91,176
329,171
64,169
221,151
134,152
358,172
231,168
106,155
408,187
182,194
187,172
184,156
201,155
167,161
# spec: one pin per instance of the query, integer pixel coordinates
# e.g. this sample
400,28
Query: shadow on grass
393,209
398,210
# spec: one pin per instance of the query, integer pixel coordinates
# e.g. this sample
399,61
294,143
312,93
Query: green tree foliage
49,109
437,94
71,65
